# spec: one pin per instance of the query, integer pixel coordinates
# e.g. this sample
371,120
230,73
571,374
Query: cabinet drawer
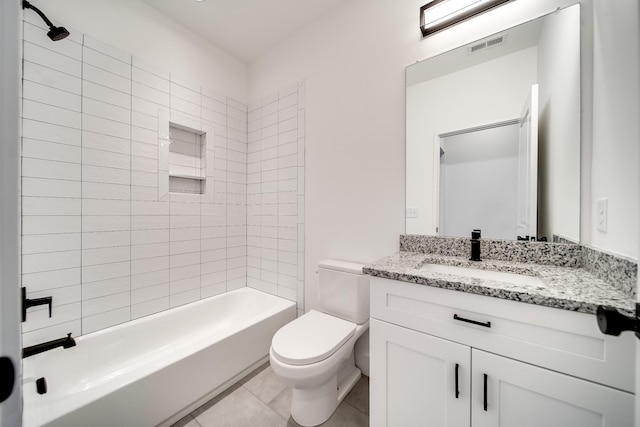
560,340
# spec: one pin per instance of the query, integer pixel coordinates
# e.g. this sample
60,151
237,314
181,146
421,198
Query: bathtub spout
65,342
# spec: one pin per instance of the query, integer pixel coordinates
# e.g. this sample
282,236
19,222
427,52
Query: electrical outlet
602,214
412,213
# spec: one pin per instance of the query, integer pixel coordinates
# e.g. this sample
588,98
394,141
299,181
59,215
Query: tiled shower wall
275,195
95,236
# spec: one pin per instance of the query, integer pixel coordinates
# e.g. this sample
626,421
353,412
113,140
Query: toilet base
313,406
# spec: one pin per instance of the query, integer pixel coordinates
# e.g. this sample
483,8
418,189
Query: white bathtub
154,370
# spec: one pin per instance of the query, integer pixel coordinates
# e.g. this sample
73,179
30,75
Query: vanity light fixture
440,14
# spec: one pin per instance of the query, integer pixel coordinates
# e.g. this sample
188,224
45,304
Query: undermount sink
496,276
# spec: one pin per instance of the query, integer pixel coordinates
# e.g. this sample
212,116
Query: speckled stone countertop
567,288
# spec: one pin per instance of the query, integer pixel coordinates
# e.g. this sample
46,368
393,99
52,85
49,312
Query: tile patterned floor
261,399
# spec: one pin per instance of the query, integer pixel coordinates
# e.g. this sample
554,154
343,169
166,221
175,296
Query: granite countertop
566,288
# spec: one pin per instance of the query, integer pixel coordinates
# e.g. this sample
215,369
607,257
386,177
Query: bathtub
154,370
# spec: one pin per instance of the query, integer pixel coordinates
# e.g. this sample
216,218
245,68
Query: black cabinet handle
457,389
485,392
475,322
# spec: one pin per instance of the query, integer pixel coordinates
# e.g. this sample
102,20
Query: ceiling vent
485,44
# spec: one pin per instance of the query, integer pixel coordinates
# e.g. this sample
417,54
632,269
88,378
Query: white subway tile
143,149
144,193
214,255
37,168
147,265
181,234
105,223
106,287
191,94
105,94
151,250
144,178
183,247
287,137
105,78
287,293
104,158
149,307
149,79
105,126
51,279
50,188
150,94
149,293
154,69
213,267
144,164
103,110
51,59
50,114
50,132
212,290
149,222
44,243
105,255
52,78
50,224
149,208
105,207
36,149
152,278
95,273
98,141
50,206
144,121
106,303
184,285
182,260
142,237
106,49
105,239
185,107
35,263
106,62
186,272
98,174
51,96
105,320
176,300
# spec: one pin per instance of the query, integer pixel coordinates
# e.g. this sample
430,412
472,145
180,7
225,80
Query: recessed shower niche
185,148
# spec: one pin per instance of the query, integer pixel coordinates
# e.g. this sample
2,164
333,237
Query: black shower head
55,33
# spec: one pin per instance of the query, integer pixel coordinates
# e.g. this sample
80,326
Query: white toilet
314,353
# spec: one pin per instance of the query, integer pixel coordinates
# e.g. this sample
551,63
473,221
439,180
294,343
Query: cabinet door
413,379
523,395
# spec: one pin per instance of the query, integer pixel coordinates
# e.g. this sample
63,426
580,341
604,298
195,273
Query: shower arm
27,5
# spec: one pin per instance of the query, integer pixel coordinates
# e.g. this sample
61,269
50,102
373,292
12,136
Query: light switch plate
602,214
412,213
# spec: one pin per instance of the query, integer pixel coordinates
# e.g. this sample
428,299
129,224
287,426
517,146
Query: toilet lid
311,338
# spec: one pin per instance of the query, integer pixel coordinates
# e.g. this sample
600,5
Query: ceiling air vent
495,41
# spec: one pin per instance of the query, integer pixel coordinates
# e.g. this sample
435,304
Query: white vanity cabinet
544,367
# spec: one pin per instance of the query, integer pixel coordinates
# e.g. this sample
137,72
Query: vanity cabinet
532,365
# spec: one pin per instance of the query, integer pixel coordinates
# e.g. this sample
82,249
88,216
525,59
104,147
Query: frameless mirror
493,135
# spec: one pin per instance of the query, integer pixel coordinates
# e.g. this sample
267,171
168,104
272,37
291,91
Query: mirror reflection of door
488,178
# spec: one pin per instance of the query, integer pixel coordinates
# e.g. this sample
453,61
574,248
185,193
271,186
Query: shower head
54,33
57,33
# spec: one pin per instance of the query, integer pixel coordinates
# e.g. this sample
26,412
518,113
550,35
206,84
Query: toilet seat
311,338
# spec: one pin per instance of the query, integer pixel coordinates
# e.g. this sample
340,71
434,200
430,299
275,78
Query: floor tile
240,409
358,397
347,415
265,385
187,421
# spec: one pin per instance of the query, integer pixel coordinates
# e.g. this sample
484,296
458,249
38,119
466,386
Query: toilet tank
343,290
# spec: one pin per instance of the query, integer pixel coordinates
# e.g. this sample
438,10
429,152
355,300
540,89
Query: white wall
353,61
616,128
135,27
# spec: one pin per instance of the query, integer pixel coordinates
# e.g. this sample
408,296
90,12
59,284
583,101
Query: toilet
314,354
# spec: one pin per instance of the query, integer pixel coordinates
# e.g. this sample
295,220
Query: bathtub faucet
65,342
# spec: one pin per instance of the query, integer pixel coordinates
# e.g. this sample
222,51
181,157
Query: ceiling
245,28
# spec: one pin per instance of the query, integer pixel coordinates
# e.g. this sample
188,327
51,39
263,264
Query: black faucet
27,303
475,245
65,342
